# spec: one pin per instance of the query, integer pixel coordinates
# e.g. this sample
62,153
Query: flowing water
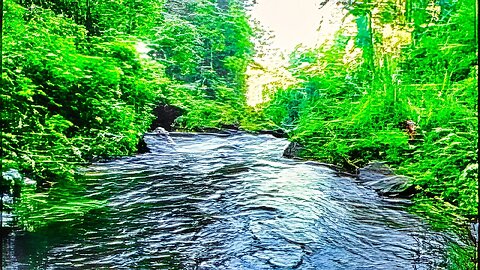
229,201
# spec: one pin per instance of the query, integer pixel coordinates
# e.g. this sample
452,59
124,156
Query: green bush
67,102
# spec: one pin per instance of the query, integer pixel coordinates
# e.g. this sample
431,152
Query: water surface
229,202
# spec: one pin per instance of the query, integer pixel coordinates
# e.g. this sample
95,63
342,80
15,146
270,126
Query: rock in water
381,178
292,150
474,232
142,146
163,132
10,186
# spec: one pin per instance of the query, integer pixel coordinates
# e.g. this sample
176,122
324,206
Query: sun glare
292,23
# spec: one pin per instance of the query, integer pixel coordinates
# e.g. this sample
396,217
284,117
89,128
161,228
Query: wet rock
11,183
277,133
209,130
165,116
142,146
230,126
293,150
381,178
474,232
162,132
221,132
373,169
12,177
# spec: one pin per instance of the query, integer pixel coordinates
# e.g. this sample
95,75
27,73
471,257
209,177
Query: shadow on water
228,202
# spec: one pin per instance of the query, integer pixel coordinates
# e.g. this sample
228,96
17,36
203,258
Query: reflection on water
229,202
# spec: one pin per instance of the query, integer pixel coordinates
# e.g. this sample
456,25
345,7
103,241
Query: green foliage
66,101
461,257
349,114
284,108
127,17
203,112
177,44
67,104
209,49
107,18
206,56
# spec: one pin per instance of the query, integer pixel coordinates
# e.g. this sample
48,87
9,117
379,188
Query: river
229,201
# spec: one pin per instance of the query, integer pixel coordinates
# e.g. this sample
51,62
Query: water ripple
231,202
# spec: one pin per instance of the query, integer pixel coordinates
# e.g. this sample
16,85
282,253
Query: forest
76,90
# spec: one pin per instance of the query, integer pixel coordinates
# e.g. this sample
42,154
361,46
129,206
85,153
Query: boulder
142,146
293,150
381,178
474,232
162,132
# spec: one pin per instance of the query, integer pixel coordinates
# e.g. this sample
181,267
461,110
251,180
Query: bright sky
293,22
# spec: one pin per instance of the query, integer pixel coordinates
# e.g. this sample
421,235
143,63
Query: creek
229,201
